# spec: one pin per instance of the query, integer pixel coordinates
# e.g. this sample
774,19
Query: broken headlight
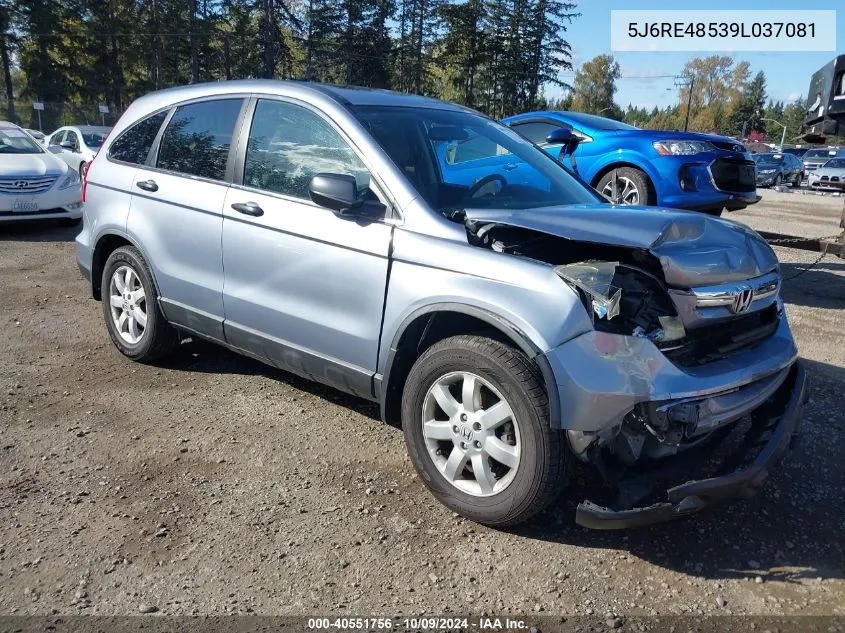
595,279
624,299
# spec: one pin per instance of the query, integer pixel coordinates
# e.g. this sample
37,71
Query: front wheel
476,421
777,182
625,185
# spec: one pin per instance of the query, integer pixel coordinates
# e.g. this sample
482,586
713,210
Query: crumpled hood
23,165
694,249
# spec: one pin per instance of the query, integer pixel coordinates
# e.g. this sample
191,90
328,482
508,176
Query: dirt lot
213,484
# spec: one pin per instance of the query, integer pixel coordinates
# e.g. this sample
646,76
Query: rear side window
197,138
134,144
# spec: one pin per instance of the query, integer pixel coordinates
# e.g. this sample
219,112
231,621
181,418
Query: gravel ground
213,484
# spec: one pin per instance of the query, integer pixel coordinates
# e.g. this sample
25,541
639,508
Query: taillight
85,176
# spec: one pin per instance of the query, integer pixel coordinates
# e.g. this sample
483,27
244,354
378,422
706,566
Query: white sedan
34,183
830,176
79,144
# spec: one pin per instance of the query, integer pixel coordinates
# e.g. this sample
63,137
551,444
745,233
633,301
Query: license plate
24,205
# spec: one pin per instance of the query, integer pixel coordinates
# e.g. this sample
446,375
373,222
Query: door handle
147,185
509,166
248,208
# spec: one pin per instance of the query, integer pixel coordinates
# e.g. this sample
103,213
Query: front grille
734,175
728,146
26,185
717,341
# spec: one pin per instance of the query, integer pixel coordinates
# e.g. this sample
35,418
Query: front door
304,288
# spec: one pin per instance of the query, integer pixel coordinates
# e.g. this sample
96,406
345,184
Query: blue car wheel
625,185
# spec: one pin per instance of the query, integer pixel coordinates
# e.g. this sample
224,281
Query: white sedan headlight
682,148
71,180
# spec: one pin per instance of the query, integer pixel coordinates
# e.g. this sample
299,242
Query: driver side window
289,144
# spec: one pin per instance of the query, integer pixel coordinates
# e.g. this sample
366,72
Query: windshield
836,163
819,153
768,159
13,141
94,139
458,160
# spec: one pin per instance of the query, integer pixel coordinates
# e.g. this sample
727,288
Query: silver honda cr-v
421,255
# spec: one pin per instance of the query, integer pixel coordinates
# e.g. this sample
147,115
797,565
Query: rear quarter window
134,144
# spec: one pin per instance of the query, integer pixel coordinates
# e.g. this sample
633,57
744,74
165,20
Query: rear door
304,287
177,210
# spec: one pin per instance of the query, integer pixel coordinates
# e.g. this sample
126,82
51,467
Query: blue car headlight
682,148
71,180
764,172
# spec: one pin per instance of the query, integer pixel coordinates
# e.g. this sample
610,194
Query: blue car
683,170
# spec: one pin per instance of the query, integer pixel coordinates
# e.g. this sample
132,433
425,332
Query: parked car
36,134
830,176
775,169
815,158
683,170
79,144
513,325
34,184
798,152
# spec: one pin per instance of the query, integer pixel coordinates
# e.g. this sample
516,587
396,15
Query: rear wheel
625,185
476,422
130,307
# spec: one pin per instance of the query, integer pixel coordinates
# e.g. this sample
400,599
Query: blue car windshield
458,160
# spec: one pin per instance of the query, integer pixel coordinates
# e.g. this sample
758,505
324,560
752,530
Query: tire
778,180
543,464
627,176
156,338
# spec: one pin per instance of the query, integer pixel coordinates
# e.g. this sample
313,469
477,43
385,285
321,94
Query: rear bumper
774,425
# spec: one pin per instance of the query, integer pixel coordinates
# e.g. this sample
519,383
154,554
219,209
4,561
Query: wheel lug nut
455,428
476,426
463,445
463,417
477,444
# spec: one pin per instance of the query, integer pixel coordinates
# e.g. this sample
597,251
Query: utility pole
689,84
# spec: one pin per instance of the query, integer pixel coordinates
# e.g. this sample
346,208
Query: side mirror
338,192
67,145
565,138
568,144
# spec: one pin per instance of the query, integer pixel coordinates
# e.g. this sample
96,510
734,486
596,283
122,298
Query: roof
346,95
7,125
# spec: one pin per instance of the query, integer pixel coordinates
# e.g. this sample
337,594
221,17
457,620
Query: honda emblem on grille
21,184
742,300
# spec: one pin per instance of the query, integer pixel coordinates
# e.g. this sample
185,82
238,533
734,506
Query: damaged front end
690,370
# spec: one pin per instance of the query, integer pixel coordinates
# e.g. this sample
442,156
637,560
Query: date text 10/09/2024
418,624
682,30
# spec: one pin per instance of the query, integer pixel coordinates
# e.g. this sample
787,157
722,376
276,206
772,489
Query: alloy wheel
128,303
626,191
471,434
